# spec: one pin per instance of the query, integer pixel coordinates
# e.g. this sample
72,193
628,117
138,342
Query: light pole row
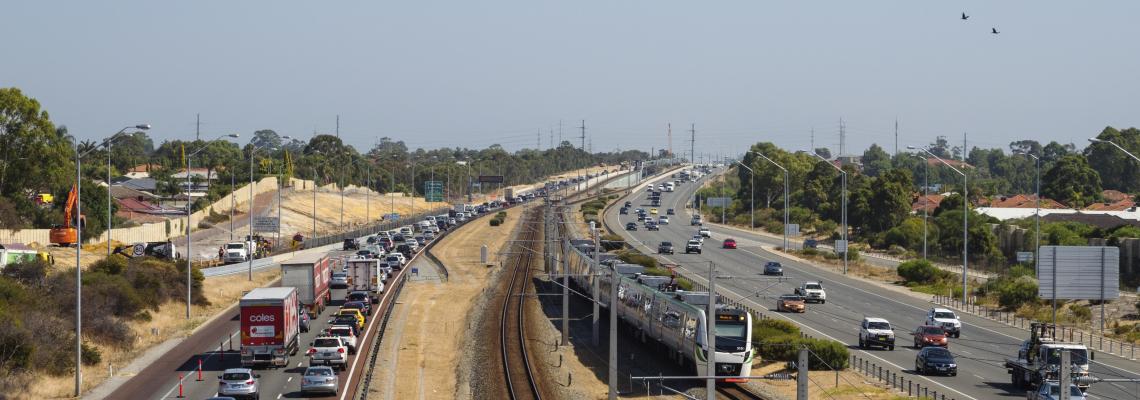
965,220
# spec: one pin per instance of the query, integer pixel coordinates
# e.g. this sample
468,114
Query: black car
773,268
366,254
630,226
623,211
935,360
628,204
670,212
405,250
651,226
350,244
365,307
665,248
359,295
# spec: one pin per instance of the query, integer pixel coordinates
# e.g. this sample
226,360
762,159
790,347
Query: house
933,162
141,171
1019,201
927,202
196,173
1114,200
141,184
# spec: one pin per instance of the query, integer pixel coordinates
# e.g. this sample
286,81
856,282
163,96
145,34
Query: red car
730,243
929,335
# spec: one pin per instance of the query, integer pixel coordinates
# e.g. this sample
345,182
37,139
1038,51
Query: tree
823,152
1028,146
35,157
887,201
875,160
266,138
1117,170
1055,151
940,147
982,245
1072,181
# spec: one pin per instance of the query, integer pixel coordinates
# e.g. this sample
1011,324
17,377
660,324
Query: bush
495,222
31,273
112,265
768,328
90,354
824,354
1020,291
921,271
633,257
1080,312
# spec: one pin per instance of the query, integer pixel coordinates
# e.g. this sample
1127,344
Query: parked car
319,379
239,382
773,268
935,360
729,243
665,248
791,303
929,335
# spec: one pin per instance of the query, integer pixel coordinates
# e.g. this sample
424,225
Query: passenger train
675,319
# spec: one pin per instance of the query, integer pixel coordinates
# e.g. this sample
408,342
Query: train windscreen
731,336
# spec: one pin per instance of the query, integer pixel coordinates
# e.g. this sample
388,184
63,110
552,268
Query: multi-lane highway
980,350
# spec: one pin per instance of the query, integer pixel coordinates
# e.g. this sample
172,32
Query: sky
476,73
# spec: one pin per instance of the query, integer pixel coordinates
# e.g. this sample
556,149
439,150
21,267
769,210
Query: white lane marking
869,354
279,395
299,363
290,379
175,387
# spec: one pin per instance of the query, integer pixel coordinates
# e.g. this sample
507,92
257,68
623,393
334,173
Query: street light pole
781,167
251,248
109,142
965,221
925,203
842,207
189,208
752,188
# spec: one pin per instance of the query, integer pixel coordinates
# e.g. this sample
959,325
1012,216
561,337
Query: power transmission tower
338,126
842,137
896,137
552,138
583,128
559,132
813,140
198,126
693,143
669,126
538,140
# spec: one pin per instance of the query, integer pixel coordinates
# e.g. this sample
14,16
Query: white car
946,319
406,230
705,232
344,332
1052,391
812,291
876,332
663,220
329,350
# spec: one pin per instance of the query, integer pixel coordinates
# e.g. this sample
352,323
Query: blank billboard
1082,272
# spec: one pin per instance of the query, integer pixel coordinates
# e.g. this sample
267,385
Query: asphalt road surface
980,351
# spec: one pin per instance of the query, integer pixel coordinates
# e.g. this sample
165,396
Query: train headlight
725,368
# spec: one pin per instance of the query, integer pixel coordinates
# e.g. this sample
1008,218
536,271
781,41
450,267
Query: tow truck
1039,359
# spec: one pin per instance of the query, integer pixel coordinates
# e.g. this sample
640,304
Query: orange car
929,335
791,303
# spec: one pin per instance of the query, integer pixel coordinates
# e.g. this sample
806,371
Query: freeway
980,350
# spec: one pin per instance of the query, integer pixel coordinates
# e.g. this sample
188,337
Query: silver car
339,279
319,380
238,383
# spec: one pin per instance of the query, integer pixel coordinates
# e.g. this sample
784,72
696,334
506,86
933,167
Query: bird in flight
995,31
965,17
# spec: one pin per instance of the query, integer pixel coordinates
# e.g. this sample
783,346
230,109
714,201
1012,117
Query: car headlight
952,365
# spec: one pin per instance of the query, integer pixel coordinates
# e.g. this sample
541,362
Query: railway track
736,392
519,376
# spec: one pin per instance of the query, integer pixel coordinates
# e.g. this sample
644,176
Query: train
653,308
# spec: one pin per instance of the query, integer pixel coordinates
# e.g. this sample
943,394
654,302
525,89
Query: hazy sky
473,73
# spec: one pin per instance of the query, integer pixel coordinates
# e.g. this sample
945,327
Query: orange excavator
65,235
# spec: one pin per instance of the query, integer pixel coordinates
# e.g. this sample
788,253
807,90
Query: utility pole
338,126
613,367
583,128
552,138
559,132
710,335
197,127
538,141
813,139
669,129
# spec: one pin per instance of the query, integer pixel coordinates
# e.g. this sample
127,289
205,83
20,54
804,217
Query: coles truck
270,326
366,274
310,275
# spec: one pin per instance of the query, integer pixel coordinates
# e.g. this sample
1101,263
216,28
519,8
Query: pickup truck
812,291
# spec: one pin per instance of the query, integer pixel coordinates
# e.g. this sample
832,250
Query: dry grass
432,334
169,321
297,210
851,385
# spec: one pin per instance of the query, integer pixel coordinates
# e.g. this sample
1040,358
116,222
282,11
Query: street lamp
965,220
253,151
189,208
108,142
79,246
1037,221
842,207
368,189
781,167
752,202
280,175
468,178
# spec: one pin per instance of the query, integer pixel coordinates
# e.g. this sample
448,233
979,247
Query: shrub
632,257
112,265
920,271
495,222
769,328
824,354
1081,312
90,354
1020,291
31,273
